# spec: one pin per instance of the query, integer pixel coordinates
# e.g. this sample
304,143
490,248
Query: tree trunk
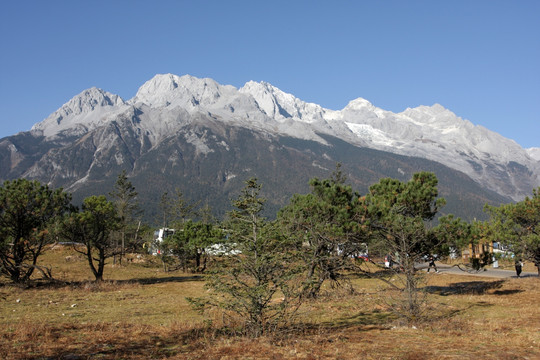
91,262
204,263
101,265
197,261
15,274
122,251
18,257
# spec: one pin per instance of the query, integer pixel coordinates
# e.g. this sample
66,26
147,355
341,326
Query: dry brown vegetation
141,313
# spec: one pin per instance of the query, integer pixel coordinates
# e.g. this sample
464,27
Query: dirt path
488,272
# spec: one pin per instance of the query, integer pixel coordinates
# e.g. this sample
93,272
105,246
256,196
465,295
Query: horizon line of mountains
205,139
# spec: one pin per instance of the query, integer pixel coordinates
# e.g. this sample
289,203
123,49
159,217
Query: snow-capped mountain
168,102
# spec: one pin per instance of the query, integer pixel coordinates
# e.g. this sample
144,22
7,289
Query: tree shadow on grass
58,284
470,288
151,281
359,321
374,318
507,292
137,346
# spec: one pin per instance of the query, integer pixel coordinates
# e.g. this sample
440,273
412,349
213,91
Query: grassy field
140,312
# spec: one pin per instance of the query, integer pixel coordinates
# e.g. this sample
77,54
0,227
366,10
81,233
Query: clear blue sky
480,59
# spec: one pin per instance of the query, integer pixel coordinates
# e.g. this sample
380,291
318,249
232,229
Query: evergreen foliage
325,230
261,271
193,243
258,284
518,227
176,209
28,210
398,214
92,227
124,198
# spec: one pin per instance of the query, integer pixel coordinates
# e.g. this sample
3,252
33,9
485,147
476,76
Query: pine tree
27,211
326,232
92,227
399,214
124,198
257,268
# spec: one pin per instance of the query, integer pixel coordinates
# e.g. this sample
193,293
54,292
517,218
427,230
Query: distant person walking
519,267
432,263
388,261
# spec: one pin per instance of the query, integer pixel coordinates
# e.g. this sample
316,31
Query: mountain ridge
168,101
205,139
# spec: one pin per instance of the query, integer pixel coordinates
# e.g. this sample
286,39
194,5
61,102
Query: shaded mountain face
207,139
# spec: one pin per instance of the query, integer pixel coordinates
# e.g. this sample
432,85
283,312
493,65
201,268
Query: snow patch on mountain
372,135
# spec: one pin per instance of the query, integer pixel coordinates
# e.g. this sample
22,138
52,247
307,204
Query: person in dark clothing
519,267
432,263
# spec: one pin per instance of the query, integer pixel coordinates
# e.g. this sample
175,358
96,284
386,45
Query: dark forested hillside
209,161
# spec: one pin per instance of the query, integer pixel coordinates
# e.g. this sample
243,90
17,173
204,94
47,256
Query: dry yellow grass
141,313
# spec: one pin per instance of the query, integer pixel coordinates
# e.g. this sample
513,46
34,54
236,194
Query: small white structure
159,236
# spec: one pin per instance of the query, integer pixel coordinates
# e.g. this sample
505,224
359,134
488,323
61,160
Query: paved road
488,272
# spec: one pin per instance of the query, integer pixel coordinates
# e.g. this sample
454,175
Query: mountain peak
358,104
89,99
187,91
362,110
434,114
252,87
86,104
270,99
281,105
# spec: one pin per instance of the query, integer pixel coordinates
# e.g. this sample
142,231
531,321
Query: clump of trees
317,237
191,245
103,228
262,271
32,216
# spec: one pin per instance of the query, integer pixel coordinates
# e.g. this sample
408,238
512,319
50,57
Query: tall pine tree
124,198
